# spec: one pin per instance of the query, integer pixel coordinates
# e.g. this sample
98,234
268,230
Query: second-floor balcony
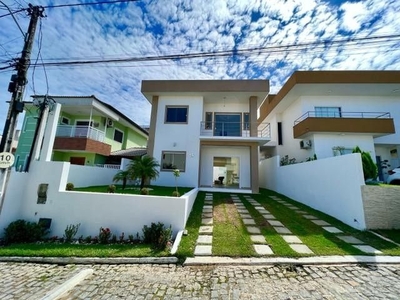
235,131
373,123
81,138
80,131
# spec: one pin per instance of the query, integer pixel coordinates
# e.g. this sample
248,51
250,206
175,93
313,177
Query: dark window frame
170,169
167,107
122,135
280,140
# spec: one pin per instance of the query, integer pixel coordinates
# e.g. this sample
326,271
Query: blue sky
163,27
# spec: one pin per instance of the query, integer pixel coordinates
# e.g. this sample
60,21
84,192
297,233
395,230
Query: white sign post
6,160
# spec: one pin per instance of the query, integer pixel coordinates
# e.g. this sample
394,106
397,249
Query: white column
50,133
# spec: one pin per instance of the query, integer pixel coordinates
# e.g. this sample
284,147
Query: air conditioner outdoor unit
305,144
110,123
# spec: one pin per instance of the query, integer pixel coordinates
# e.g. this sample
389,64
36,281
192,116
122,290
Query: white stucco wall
207,157
323,143
304,104
331,185
82,176
226,107
179,137
119,212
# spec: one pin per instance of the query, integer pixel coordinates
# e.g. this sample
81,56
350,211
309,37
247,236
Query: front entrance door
77,161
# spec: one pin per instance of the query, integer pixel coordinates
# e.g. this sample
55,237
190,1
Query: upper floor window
176,114
328,112
118,135
65,120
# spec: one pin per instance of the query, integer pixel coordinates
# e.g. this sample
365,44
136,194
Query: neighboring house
328,113
88,132
208,130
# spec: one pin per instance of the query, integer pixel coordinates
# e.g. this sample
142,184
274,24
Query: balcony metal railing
80,131
239,129
356,115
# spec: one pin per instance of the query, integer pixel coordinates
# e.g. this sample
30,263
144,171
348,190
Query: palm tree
121,175
144,168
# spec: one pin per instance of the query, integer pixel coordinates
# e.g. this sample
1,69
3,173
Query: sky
316,33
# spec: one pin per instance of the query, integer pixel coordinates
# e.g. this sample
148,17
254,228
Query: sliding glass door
227,124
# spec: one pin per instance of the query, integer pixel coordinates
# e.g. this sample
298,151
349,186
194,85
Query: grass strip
188,242
68,250
230,237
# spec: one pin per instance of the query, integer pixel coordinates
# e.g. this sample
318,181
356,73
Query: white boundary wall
331,185
82,176
119,212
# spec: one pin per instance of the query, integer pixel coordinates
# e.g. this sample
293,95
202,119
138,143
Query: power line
239,52
15,20
12,12
89,3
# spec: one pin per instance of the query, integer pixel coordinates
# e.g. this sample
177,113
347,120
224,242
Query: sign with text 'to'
6,160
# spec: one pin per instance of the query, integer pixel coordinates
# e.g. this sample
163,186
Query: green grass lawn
230,238
135,190
68,250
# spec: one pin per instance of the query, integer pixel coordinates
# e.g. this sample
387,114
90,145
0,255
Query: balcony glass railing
356,115
80,131
239,129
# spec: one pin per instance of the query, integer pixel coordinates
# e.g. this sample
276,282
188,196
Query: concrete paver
350,239
310,217
249,222
207,221
300,248
320,223
263,250
368,249
291,239
205,229
258,239
332,229
202,250
204,239
253,230
282,230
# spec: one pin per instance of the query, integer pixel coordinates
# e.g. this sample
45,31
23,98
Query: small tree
144,168
121,176
176,173
369,167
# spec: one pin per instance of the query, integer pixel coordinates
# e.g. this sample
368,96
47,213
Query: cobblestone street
33,281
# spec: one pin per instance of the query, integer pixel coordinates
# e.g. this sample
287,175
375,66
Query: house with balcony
328,113
89,132
208,130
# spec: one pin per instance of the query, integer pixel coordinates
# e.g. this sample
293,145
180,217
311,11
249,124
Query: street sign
6,160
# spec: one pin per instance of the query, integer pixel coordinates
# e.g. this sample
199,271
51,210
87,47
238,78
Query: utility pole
19,80
17,87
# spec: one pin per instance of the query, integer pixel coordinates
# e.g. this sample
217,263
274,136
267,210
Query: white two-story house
208,130
328,113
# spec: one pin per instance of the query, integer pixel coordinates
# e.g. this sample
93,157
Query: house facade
208,130
328,113
88,132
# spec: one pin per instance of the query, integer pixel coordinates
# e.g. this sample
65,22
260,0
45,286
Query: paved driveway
32,281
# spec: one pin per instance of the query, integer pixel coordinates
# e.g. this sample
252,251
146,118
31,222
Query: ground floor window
173,160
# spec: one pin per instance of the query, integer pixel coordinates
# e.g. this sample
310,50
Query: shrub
104,235
157,235
111,188
70,232
88,239
144,191
114,239
70,186
370,169
176,194
287,161
22,231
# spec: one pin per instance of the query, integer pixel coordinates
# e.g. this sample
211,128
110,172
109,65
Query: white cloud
151,28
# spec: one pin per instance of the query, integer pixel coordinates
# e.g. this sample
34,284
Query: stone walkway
294,242
204,241
260,244
328,227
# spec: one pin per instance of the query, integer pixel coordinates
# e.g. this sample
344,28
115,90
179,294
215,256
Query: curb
91,260
68,285
319,260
